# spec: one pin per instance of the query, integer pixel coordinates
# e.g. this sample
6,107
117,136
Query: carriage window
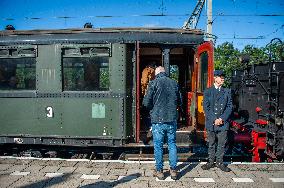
86,73
17,74
203,71
174,72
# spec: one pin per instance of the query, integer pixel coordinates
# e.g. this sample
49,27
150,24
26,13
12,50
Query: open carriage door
203,70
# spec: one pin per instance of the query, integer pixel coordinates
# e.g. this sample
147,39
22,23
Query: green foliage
276,50
25,76
228,58
104,78
174,72
73,76
256,55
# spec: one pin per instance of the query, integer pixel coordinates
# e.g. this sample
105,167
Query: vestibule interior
178,62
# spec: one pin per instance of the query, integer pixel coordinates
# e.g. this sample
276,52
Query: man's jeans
159,131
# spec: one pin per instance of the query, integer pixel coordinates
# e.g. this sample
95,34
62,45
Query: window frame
78,47
16,52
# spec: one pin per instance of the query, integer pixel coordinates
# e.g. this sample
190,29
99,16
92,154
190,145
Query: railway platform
83,173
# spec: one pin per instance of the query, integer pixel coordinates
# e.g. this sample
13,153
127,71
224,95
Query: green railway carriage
82,87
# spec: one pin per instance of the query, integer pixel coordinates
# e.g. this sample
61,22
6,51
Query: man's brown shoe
159,174
174,174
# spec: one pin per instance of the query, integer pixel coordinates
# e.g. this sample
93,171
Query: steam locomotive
257,123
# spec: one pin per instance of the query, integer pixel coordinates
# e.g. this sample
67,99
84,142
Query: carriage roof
103,35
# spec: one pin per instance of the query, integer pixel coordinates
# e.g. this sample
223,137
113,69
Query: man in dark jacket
217,105
162,99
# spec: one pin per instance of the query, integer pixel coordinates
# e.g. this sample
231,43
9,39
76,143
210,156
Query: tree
256,55
275,49
226,58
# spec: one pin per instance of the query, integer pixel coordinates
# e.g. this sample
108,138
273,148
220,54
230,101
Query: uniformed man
217,105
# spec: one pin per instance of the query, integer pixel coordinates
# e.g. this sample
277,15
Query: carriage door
204,78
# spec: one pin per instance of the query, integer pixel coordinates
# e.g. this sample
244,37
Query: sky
242,22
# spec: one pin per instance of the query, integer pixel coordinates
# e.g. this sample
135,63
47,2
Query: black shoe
223,167
207,166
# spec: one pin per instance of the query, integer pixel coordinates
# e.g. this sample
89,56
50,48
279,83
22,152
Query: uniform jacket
162,99
222,108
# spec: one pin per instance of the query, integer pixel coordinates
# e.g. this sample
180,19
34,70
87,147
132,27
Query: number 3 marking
49,112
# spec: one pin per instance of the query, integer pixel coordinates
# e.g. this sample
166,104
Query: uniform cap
219,73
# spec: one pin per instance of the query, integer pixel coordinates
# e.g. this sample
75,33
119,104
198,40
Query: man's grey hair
159,70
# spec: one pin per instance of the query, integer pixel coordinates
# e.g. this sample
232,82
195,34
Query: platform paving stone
108,177
54,174
144,178
5,166
72,179
149,172
8,170
114,174
261,175
66,169
92,183
73,183
241,174
90,177
117,172
147,166
50,169
133,165
83,170
18,167
141,172
34,168
100,164
207,180
281,180
57,180
100,171
7,180
38,162
126,185
19,173
274,167
209,173
221,175
52,162
245,180
155,183
141,184
127,178
116,165
276,174
87,164
66,163
31,181
192,173
15,161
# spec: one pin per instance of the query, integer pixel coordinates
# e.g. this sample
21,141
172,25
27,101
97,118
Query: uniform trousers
216,139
